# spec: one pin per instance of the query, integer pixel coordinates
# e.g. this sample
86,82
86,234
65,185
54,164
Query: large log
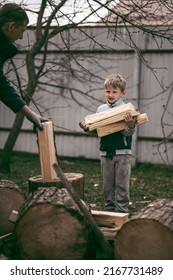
148,235
7,246
11,199
51,226
104,250
76,179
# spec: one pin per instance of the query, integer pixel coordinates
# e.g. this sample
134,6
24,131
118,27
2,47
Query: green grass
148,182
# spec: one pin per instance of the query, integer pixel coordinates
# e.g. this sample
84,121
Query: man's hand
36,119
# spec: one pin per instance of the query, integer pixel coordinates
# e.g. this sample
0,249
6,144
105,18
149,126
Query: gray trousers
116,178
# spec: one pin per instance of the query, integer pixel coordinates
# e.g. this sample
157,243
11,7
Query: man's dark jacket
8,95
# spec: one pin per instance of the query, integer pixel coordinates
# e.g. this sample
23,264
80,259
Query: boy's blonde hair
115,80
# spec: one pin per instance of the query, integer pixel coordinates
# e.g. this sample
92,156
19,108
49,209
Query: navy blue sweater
8,95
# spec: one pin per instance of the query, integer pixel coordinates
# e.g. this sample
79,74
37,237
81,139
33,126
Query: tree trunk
51,226
11,199
9,145
76,179
148,235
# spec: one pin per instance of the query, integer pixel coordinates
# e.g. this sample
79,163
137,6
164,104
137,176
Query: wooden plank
114,119
109,219
114,127
109,233
13,216
47,151
94,118
142,118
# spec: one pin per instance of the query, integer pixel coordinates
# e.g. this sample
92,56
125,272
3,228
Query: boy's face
15,32
113,94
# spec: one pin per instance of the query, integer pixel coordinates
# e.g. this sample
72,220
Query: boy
115,149
13,23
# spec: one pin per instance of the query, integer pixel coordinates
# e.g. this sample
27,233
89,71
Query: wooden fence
78,78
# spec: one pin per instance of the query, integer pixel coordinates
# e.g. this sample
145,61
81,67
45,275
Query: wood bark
76,179
148,235
11,199
7,246
51,226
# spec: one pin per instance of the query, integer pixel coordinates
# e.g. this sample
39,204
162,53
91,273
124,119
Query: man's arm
11,99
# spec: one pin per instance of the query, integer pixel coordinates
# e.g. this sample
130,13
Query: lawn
148,182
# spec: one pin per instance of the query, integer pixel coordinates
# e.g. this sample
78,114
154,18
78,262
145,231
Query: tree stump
148,235
50,226
11,199
76,179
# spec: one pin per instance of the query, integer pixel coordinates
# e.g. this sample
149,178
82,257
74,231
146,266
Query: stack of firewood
112,120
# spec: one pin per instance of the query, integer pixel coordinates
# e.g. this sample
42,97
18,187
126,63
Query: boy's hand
84,126
130,120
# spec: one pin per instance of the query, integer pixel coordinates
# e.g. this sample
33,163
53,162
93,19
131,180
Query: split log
76,179
109,219
109,222
48,157
117,112
114,127
11,199
112,120
51,226
148,235
47,150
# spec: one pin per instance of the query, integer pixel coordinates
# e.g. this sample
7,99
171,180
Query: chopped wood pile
112,120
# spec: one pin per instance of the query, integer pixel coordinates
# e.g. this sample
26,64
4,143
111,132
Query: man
13,23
